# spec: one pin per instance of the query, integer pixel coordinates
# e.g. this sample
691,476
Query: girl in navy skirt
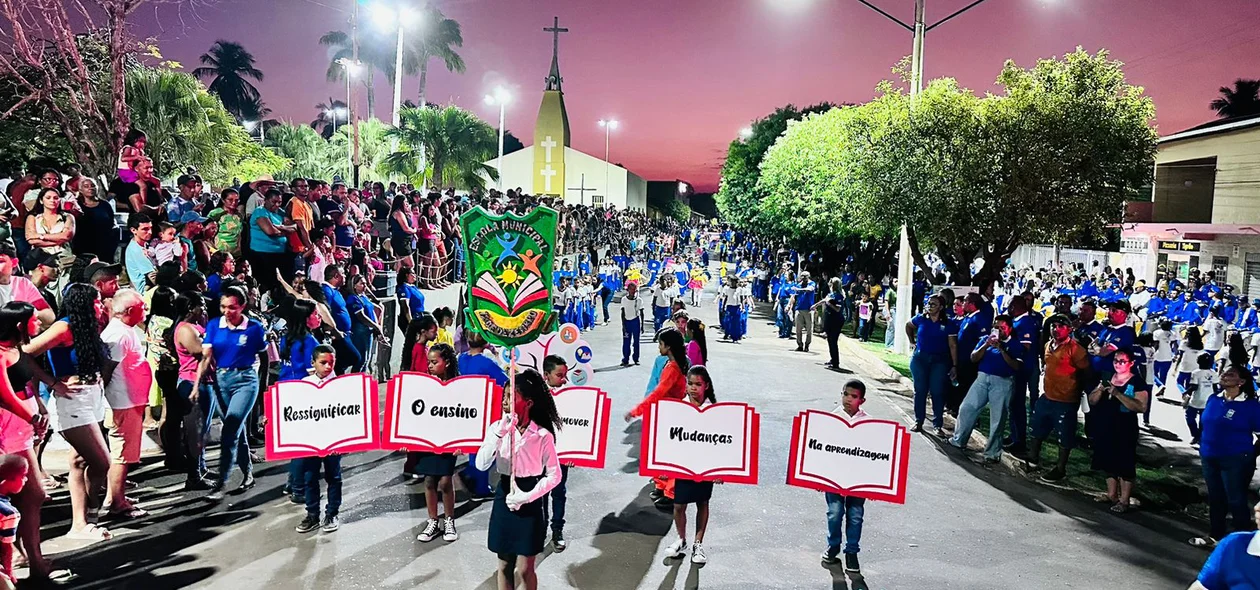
686,491
518,523
437,468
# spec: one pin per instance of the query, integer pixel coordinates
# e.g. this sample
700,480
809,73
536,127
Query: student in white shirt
1202,385
845,514
1213,333
522,447
1187,360
1163,356
631,323
323,361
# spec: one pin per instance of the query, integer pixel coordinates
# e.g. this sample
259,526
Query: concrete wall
1236,198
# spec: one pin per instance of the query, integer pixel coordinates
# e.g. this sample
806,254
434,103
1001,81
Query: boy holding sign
845,513
556,373
323,360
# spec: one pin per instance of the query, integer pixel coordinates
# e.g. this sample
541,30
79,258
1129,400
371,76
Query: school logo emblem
510,258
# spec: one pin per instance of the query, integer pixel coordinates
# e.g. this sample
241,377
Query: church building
551,167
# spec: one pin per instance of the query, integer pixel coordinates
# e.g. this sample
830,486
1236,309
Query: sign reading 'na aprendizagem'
866,458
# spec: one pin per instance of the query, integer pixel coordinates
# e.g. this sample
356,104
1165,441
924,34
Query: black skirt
434,464
520,532
402,245
687,491
1115,445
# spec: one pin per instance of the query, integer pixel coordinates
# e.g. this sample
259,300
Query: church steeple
554,79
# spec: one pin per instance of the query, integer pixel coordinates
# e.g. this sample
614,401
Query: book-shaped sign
715,443
582,440
307,420
422,413
867,458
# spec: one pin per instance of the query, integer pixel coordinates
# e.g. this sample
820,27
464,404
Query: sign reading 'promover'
582,440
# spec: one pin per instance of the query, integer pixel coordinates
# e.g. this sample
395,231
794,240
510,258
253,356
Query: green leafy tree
373,149
309,154
737,196
437,38
1243,100
678,210
332,115
455,142
187,126
374,52
230,68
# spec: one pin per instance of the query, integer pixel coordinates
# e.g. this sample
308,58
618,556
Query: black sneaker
1054,475
830,558
656,494
331,524
851,563
308,524
918,427
198,484
557,541
296,499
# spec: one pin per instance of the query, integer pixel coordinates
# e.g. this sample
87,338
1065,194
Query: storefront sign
1135,245
1179,246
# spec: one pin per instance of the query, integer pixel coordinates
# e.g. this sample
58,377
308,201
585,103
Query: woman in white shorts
23,423
77,356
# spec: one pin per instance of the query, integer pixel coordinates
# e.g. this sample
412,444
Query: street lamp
250,125
500,98
386,17
745,133
608,126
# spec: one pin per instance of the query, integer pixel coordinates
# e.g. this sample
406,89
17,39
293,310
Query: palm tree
457,145
1243,100
230,66
332,114
374,52
310,156
437,37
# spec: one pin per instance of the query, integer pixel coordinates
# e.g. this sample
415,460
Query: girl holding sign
699,393
673,385
437,468
518,524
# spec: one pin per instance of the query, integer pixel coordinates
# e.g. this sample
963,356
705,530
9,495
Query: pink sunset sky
684,76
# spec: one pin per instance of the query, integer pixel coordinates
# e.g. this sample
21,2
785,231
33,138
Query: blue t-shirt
657,368
214,286
354,303
1121,337
1228,426
932,337
296,364
259,241
235,348
805,296
972,330
1231,567
1027,330
480,364
337,307
993,363
415,298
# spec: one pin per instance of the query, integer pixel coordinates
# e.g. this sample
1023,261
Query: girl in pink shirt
697,347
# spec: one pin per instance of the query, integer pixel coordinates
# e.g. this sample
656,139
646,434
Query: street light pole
608,127
501,98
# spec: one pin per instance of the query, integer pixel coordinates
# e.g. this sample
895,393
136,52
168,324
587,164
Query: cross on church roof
554,79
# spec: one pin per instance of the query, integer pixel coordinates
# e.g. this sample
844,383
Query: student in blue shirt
231,345
1027,330
1229,422
803,301
476,362
935,340
348,355
973,328
997,358
364,324
1234,564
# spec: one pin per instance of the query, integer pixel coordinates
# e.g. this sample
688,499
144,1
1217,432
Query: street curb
854,348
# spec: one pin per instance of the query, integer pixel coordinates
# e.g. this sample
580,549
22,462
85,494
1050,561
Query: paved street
963,526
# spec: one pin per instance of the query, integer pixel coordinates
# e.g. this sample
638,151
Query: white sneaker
677,549
430,532
697,555
449,533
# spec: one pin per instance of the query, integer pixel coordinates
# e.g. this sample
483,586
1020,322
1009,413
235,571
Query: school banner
717,442
582,440
868,459
567,343
308,420
424,414
510,260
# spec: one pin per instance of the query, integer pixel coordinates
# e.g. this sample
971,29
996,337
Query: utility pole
354,121
905,263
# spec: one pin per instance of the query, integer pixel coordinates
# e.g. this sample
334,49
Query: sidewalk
1169,477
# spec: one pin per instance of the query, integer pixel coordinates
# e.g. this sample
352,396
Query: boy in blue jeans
323,361
845,513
